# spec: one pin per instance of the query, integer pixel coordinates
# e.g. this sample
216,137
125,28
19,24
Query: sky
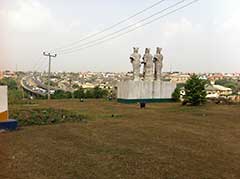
203,37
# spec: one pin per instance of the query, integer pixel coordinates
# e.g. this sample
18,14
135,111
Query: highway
29,84
34,85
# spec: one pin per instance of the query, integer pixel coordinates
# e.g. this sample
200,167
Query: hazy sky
203,37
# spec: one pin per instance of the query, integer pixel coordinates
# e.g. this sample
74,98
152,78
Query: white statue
135,60
148,65
158,60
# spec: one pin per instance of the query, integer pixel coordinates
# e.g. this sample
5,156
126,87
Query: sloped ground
162,141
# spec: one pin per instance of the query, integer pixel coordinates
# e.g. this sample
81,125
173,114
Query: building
9,74
88,86
214,77
214,91
177,77
1,75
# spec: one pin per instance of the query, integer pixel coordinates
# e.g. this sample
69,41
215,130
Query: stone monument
148,65
150,88
5,123
135,60
158,61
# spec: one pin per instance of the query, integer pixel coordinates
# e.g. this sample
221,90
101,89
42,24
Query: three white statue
152,65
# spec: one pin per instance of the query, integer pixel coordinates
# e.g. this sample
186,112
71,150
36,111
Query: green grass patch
42,116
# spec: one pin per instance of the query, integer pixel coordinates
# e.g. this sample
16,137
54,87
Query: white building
214,91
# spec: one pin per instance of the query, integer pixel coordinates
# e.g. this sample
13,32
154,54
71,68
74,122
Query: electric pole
49,70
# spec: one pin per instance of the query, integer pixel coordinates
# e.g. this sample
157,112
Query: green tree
195,91
79,93
99,93
60,94
176,94
89,94
11,83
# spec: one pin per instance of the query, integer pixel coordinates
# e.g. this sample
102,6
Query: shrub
60,94
96,93
195,91
43,116
14,96
79,93
176,94
99,93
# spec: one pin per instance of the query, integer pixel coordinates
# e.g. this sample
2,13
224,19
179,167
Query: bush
79,93
29,117
60,94
176,94
99,93
195,91
91,93
14,96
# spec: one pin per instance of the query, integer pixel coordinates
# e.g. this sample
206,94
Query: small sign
3,103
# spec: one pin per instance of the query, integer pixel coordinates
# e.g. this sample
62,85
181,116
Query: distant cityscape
36,82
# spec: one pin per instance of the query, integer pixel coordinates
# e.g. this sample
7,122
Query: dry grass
163,141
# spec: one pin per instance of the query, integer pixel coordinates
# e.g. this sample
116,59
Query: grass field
119,141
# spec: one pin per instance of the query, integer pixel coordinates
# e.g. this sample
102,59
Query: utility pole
49,70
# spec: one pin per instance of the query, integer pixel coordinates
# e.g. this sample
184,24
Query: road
29,84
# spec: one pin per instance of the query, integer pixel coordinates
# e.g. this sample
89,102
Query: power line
44,68
36,63
127,27
131,30
40,65
110,27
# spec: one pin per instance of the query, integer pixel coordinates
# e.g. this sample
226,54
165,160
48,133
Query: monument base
145,91
9,125
132,101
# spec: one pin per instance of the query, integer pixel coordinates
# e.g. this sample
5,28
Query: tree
60,94
176,94
89,94
99,93
79,93
11,83
195,91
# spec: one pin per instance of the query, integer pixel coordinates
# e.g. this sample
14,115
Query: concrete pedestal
9,125
145,91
